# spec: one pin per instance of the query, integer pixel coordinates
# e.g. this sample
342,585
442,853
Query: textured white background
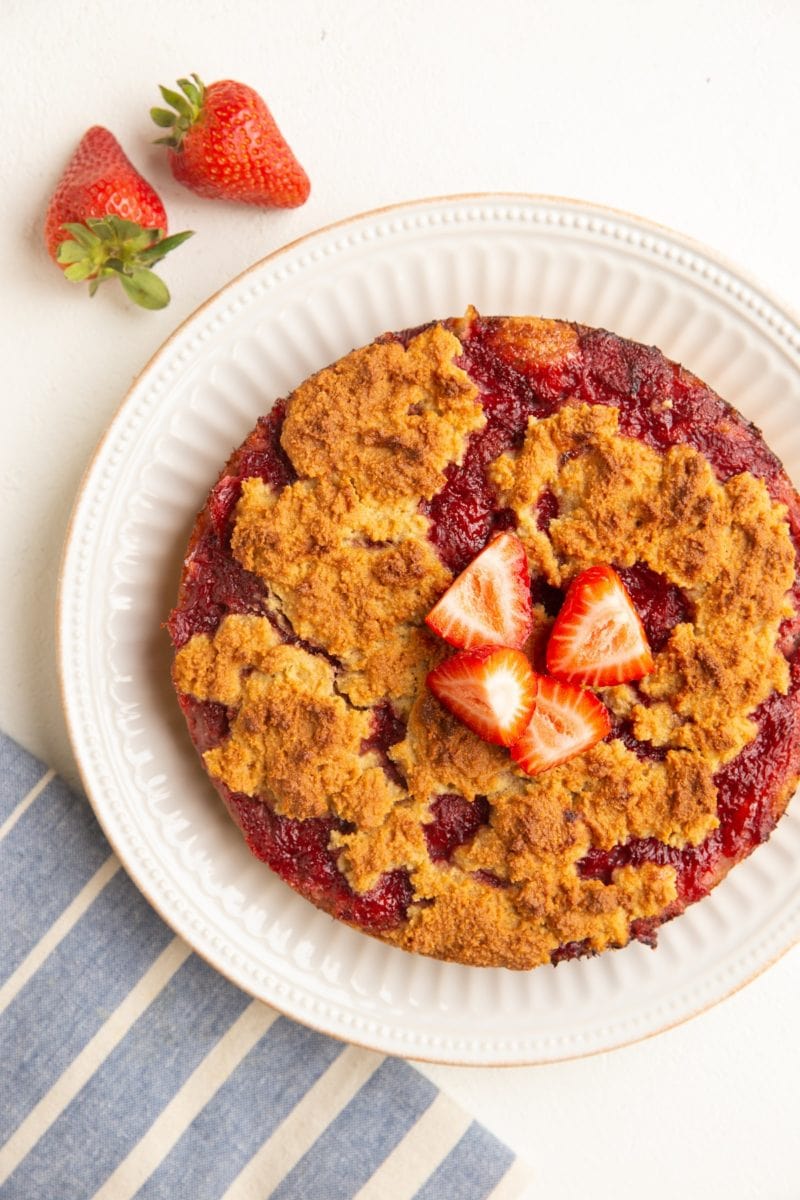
686,112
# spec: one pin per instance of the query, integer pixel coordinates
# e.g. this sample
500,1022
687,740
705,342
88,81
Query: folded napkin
128,1067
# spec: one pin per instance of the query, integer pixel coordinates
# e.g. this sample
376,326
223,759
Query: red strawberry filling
748,790
455,822
214,584
464,516
299,852
208,721
660,604
387,730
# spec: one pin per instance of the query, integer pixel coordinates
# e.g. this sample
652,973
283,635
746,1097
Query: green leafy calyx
186,107
113,248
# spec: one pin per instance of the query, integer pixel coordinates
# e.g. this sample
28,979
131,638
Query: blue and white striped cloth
128,1067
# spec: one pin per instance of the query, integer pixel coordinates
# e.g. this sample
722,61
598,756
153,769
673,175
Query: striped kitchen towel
128,1067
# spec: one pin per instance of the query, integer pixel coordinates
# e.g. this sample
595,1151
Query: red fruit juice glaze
299,852
388,728
456,820
214,584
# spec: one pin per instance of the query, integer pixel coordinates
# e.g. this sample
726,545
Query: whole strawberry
224,144
105,221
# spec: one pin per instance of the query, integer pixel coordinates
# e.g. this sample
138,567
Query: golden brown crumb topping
285,699
726,546
385,419
346,559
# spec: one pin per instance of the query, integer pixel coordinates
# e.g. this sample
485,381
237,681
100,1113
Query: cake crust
301,650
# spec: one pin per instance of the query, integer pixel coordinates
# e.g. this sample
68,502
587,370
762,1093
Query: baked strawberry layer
659,404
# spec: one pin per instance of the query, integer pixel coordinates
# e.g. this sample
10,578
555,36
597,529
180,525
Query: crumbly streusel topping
346,559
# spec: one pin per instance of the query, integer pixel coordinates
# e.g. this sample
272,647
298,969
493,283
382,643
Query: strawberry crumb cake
489,638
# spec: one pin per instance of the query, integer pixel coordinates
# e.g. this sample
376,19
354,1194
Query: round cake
306,668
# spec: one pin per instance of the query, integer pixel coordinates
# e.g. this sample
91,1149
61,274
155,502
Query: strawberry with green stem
224,143
105,221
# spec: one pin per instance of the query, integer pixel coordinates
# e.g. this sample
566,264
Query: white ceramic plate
284,318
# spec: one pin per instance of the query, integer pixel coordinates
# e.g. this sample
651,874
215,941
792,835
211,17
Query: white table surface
683,111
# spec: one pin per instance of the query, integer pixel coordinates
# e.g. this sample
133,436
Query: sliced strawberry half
491,690
597,638
489,604
566,720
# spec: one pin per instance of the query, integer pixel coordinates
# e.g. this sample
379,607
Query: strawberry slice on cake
491,690
598,638
489,603
566,720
